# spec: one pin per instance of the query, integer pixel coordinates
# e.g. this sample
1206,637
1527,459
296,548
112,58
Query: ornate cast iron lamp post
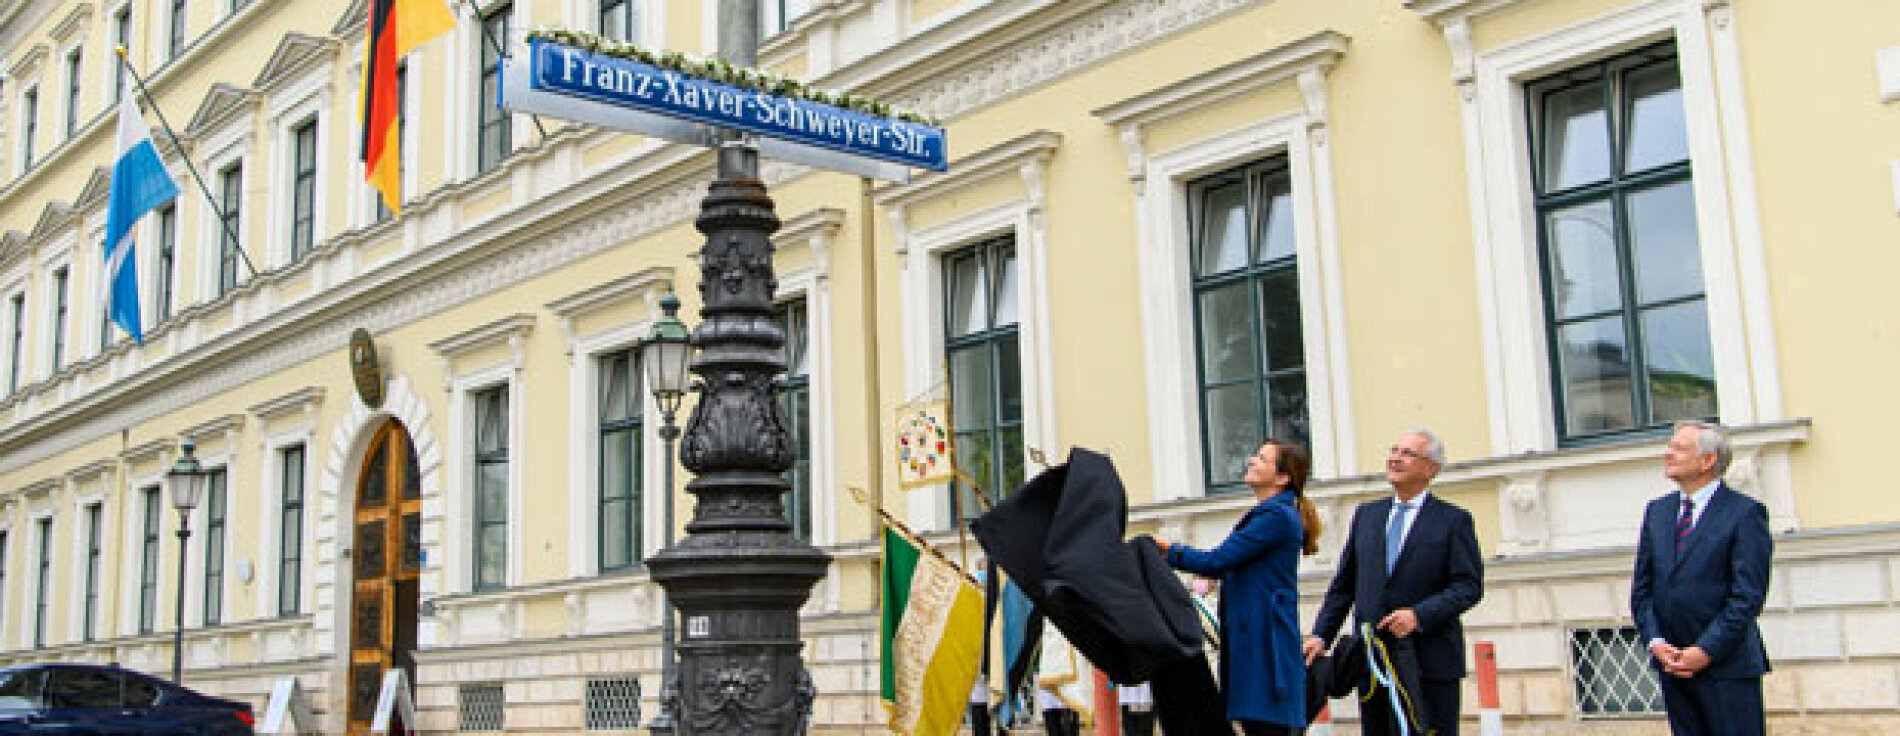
666,353
187,481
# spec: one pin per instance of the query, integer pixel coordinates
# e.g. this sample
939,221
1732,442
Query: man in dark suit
1410,568
1701,577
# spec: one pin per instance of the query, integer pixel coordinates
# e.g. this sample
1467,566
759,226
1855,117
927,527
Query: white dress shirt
1411,516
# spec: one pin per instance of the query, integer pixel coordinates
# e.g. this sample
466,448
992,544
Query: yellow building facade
1544,229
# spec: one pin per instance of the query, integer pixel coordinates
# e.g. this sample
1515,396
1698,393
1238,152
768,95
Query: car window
20,689
83,688
140,692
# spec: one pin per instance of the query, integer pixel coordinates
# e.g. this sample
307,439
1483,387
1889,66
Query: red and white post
1490,717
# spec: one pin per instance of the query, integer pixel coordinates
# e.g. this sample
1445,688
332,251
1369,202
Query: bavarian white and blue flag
139,184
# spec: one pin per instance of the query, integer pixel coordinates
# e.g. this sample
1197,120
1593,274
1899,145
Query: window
105,330
777,15
620,19
1625,310
290,538
176,40
491,487
83,688
985,368
1251,354
4,538
237,5
796,405
402,134
231,185
44,585
1613,673
24,686
167,260
121,35
495,133
303,189
91,607
612,703
214,547
17,342
148,562
479,707
62,278
30,127
621,464
75,60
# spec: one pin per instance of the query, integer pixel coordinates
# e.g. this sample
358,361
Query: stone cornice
296,54
822,222
153,449
222,103
74,23
998,160
508,329
40,488
304,399
28,64
224,425
612,292
1279,64
92,469
1450,11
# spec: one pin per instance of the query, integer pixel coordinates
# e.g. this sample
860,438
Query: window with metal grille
621,464
494,129
1625,308
981,326
1613,676
479,707
1246,288
214,547
796,404
148,563
231,181
613,703
491,488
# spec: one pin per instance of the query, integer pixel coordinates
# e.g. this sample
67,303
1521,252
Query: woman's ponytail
1296,464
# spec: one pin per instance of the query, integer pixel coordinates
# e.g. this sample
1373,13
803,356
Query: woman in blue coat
1262,669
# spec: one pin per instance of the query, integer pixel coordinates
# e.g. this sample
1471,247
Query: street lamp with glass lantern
666,352
187,482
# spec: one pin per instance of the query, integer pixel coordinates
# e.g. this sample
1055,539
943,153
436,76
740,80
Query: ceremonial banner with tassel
932,637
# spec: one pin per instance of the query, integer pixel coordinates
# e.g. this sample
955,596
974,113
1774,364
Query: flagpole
224,223
857,494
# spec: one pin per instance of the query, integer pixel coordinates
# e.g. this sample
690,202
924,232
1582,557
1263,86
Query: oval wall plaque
365,370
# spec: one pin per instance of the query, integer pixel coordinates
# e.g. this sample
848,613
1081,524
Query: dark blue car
106,699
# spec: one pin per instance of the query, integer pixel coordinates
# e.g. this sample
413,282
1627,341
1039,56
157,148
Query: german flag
396,27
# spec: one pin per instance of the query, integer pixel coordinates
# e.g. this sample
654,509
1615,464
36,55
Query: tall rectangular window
621,462
985,367
93,543
105,330
303,189
214,546
491,487
402,134
776,16
167,262
495,135
1625,309
231,199
795,402
62,278
16,342
75,63
1246,288
148,560
121,35
620,19
290,537
4,538
30,124
175,40
43,585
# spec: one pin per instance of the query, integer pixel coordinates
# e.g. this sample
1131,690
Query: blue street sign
575,72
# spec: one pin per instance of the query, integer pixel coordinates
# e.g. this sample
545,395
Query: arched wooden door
386,558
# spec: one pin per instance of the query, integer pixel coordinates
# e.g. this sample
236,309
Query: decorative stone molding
305,399
227,426
579,304
221,104
1306,59
294,58
40,489
1442,11
512,330
814,230
29,64
975,168
91,470
141,453
1526,520
73,24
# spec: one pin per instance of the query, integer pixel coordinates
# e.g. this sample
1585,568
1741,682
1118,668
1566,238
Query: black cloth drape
1338,674
1061,539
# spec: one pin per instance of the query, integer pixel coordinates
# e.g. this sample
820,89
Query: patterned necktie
1395,534
1684,524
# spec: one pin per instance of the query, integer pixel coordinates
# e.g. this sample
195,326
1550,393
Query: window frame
990,339
16,351
216,518
43,578
303,202
121,30
151,556
165,262
94,515
228,229
634,426
75,69
176,31
481,517
61,313
290,515
796,392
488,73
29,125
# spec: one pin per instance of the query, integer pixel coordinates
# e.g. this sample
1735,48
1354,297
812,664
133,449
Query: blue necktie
1395,534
